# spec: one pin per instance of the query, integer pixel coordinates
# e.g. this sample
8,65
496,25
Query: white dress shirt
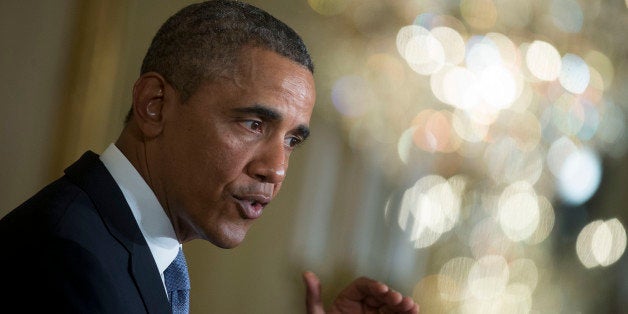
150,216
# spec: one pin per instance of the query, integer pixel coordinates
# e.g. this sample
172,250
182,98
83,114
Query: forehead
258,77
266,68
265,77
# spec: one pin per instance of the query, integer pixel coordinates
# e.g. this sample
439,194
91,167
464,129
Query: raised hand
363,295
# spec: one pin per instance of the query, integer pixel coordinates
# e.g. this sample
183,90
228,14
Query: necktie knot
178,284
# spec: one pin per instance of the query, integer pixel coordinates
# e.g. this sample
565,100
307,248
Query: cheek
223,161
213,157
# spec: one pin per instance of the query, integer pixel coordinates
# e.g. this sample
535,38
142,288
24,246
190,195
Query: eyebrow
261,111
270,114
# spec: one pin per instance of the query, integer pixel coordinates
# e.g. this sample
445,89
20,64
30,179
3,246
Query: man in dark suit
224,96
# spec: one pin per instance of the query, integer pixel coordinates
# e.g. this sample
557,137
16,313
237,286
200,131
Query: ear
148,103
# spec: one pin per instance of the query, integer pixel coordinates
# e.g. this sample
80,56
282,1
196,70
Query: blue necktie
178,285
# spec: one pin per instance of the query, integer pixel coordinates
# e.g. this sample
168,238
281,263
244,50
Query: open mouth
251,207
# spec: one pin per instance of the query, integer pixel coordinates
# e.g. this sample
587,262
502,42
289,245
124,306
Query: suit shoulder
45,210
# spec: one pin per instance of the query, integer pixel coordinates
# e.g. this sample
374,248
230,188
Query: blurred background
471,153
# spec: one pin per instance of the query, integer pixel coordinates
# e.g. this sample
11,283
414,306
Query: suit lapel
92,176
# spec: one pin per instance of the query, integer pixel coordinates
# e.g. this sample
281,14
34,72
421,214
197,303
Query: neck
133,146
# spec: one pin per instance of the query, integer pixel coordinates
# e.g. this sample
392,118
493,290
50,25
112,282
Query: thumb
313,302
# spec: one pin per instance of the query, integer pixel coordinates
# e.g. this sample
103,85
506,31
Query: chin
229,238
226,244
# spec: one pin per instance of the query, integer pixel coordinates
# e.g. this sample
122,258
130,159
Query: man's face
224,153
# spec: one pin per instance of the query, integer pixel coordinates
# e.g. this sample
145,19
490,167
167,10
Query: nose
269,164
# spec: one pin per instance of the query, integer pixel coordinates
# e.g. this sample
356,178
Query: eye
293,141
254,125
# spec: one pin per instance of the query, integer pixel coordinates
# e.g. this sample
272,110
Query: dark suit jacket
75,247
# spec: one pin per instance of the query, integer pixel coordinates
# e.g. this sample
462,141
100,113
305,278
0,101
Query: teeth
251,202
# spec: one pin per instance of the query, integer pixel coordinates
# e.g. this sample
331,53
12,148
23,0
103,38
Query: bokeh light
574,74
434,132
546,221
567,15
601,243
426,293
488,277
468,129
459,88
522,127
452,43
497,86
519,212
487,238
493,118
404,145
558,152
603,65
579,176
568,114
428,209
424,53
482,54
506,163
452,284
543,60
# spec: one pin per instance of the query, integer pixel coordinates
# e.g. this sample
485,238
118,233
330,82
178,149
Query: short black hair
203,40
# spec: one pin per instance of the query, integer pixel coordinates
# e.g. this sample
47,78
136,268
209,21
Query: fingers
313,301
405,305
364,287
395,302
376,295
363,295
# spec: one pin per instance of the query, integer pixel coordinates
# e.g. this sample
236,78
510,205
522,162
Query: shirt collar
150,216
